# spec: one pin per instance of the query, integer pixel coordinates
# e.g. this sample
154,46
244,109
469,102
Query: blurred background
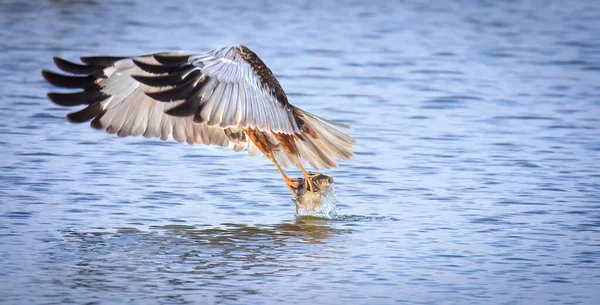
476,176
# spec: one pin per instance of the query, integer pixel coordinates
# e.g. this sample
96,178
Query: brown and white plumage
223,97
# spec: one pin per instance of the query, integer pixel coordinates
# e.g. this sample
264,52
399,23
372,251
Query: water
476,177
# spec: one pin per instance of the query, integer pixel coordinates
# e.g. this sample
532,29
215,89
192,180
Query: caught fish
320,202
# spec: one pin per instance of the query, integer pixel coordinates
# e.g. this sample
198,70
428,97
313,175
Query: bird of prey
225,97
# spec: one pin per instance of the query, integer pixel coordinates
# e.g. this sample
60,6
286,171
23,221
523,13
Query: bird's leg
308,176
292,183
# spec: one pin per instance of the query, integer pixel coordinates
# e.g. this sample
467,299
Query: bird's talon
293,184
309,179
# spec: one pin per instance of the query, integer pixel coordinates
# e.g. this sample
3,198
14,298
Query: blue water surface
476,178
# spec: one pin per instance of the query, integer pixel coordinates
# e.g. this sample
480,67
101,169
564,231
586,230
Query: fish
319,202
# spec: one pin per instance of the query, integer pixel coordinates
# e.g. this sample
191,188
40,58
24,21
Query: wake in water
320,203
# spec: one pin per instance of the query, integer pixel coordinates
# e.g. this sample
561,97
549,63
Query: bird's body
225,97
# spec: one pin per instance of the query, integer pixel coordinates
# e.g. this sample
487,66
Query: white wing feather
130,112
252,105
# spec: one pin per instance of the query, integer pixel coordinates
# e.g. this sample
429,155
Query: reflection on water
304,230
188,258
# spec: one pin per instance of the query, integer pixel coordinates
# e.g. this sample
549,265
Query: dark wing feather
232,93
116,102
69,81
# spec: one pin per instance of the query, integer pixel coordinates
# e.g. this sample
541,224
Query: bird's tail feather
321,143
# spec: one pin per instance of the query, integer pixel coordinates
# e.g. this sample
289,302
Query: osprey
223,97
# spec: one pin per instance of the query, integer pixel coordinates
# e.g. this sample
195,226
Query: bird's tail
320,142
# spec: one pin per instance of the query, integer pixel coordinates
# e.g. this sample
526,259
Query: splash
321,203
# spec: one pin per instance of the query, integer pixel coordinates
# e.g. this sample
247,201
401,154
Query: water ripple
475,177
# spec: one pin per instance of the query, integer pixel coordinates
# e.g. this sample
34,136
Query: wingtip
61,99
57,60
76,68
151,68
76,98
45,74
86,114
68,81
170,59
51,96
101,61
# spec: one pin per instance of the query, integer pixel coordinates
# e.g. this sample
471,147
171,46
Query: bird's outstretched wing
207,98
232,87
228,87
116,102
